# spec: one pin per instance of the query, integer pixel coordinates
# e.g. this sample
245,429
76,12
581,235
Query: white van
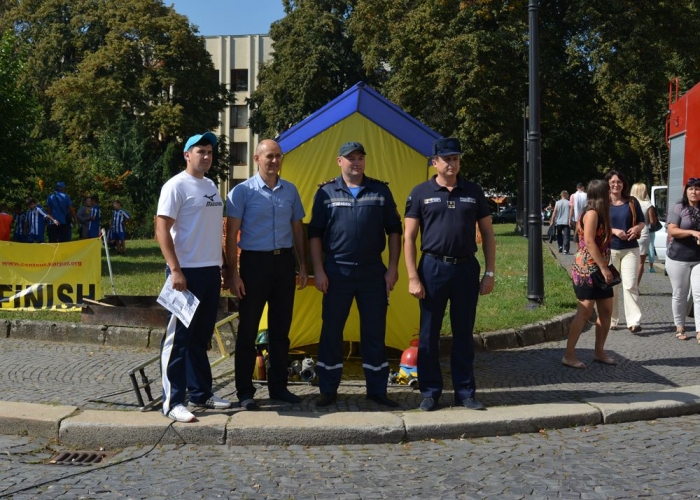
659,198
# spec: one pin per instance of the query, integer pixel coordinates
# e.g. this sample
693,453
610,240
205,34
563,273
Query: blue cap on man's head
60,184
447,146
205,138
350,147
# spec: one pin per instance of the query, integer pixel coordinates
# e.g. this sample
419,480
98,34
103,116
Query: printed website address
42,264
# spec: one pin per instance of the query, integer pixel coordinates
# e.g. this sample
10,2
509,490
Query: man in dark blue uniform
447,209
351,218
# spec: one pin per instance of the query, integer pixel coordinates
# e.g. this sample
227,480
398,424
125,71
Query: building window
239,80
239,116
239,153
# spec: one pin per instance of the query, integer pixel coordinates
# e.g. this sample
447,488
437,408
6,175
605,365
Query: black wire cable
87,471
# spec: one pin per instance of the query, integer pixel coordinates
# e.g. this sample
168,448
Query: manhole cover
79,458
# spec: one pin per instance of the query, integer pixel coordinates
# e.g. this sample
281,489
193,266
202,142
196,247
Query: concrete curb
118,429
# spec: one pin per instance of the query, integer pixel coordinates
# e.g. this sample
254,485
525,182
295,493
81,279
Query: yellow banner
49,275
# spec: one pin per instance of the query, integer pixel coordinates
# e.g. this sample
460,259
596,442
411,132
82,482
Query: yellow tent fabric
388,159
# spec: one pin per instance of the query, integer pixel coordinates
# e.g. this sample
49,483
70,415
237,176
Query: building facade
237,59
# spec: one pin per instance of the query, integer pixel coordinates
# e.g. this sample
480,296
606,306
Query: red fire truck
683,141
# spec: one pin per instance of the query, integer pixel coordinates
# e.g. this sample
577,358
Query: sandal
680,335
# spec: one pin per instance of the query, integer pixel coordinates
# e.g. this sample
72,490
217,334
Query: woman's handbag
654,222
599,279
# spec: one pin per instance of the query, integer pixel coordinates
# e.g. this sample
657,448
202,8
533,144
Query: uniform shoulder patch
378,180
329,181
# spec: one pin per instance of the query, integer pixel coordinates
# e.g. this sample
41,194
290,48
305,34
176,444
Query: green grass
141,272
506,306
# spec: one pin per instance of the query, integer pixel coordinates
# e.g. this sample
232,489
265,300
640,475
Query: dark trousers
563,236
183,351
268,279
59,234
458,283
366,285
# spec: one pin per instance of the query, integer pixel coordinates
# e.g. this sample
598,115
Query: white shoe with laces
181,414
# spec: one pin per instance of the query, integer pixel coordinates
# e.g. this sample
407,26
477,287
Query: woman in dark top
683,256
627,220
593,228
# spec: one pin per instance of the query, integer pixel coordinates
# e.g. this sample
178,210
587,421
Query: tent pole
109,262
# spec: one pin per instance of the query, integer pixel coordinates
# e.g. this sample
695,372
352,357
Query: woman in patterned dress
593,254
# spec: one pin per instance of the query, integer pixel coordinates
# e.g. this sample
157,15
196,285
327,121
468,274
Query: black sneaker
470,404
429,404
286,396
326,399
249,404
383,400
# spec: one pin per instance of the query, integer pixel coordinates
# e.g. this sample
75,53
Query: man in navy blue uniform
446,209
351,218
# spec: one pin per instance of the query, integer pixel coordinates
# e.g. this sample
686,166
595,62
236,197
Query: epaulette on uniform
327,182
377,180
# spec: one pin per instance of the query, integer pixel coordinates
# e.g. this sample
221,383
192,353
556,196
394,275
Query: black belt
279,251
449,260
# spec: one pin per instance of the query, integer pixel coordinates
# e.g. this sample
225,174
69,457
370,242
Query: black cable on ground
87,471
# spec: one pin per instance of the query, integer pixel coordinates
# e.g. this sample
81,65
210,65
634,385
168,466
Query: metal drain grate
78,458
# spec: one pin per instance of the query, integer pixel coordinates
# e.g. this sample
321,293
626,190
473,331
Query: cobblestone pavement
91,376
652,459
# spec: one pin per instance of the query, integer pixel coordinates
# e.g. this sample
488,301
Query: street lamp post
535,278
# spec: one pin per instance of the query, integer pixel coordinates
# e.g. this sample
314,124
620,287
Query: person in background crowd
577,202
5,223
593,253
353,219
562,220
60,207
36,220
446,210
84,215
268,212
119,217
20,220
627,221
683,257
95,214
639,191
189,232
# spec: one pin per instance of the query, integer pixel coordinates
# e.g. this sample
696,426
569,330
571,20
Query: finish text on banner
49,275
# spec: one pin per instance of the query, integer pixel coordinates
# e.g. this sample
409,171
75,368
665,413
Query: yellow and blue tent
398,147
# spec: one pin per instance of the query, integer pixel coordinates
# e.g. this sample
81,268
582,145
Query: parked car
506,216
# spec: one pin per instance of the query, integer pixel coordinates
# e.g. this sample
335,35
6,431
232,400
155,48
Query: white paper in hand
181,304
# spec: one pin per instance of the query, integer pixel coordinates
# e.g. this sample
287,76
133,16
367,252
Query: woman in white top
639,191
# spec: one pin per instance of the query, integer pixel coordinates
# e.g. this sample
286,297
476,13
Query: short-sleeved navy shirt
621,218
353,229
448,218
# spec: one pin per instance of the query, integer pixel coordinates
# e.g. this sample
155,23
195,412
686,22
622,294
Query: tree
122,85
313,62
20,113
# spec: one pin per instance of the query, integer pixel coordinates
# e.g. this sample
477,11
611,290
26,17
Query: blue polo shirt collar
261,183
461,182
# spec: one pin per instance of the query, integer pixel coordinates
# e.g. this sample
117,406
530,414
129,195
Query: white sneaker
181,414
217,403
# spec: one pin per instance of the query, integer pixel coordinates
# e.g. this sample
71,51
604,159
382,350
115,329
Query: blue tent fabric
371,104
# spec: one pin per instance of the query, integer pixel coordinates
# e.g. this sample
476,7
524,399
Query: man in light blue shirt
268,212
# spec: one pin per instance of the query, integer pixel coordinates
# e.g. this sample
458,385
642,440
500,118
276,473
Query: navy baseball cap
349,147
447,146
205,138
60,184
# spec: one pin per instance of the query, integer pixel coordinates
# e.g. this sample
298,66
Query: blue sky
230,17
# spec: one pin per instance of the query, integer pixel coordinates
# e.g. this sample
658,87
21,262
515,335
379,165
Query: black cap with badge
447,146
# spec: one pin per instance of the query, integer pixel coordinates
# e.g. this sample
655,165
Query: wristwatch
490,274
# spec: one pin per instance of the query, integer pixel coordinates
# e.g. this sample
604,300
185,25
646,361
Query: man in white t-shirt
577,202
189,228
